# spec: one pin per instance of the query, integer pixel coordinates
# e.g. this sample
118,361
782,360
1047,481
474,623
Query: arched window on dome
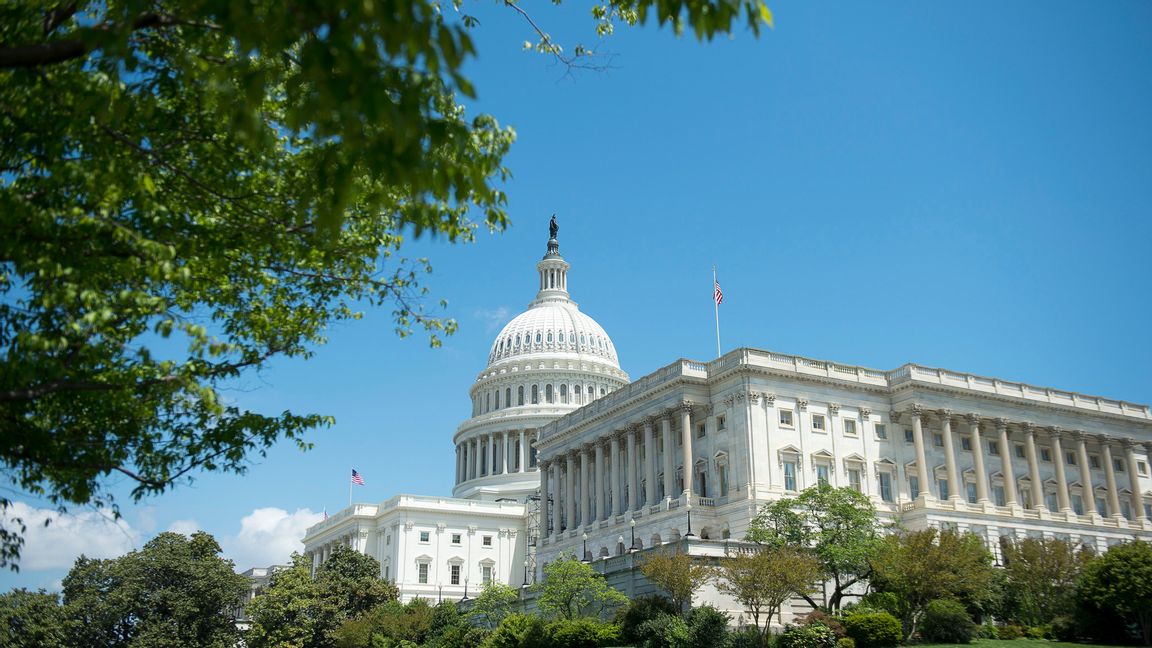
583,340
577,395
549,337
487,403
517,340
548,393
507,397
535,394
497,399
561,337
564,391
520,395
538,337
602,392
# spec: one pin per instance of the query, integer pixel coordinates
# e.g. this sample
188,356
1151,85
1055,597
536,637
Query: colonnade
983,433
607,477
494,453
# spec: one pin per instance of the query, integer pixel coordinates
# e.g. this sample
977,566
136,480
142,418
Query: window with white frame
1101,505
970,488
790,474
454,574
1045,455
701,431
881,431
1118,465
818,424
909,436
854,481
994,448
938,440
1094,461
885,479
786,418
998,495
823,473
422,573
1070,458
722,473
849,427
425,536
456,537
1077,504
486,541
913,486
966,444
486,573
1142,468
942,487
1050,500
1020,452
721,423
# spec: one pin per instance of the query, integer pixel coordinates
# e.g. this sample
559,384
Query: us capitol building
563,455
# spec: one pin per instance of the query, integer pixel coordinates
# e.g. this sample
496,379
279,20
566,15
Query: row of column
603,479
976,434
502,450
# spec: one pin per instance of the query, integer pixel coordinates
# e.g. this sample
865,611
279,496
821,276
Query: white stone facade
931,447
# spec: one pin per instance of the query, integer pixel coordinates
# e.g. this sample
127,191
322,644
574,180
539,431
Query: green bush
665,631
989,631
582,633
746,637
510,633
948,621
639,610
873,629
845,642
1064,629
1011,631
1038,632
813,635
883,601
823,618
708,627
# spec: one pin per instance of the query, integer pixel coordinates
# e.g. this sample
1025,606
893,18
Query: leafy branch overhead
191,189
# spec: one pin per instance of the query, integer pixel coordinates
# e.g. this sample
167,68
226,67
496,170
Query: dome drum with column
545,362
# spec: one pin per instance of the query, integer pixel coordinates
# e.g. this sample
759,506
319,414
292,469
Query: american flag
356,478
718,294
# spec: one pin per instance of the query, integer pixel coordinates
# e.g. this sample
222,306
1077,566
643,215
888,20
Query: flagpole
349,491
717,305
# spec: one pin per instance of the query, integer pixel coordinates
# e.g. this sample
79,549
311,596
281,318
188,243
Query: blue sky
965,185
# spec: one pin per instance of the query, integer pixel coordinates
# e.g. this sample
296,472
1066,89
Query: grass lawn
1014,643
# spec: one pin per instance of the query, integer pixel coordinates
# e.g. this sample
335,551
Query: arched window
520,395
563,392
507,397
548,393
497,399
561,337
577,394
487,402
583,340
538,337
602,392
535,394
549,337
517,340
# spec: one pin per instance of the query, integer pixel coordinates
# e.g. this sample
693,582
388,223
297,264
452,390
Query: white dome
553,328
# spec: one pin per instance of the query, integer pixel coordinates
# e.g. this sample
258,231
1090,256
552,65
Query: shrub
886,601
708,627
873,629
746,637
988,631
845,642
1012,631
1038,632
947,621
582,633
1064,629
665,631
822,617
510,633
813,635
640,610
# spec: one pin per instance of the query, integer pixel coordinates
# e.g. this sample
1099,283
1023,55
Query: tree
677,574
175,591
494,603
235,176
1041,576
572,589
923,566
1121,581
297,610
32,620
838,525
761,580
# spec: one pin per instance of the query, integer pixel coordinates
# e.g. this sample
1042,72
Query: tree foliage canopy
762,580
676,573
189,189
838,525
1121,581
572,589
1041,577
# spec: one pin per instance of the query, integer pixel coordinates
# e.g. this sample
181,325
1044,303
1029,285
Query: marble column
1087,491
1062,499
955,486
569,494
650,461
523,451
614,476
669,467
507,451
1033,467
599,486
558,499
585,492
921,458
544,500
1006,463
978,459
686,435
1136,498
478,457
494,452
1110,476
633,482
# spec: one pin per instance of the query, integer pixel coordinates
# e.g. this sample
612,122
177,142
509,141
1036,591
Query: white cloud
184,527
57,545
493,318
268,536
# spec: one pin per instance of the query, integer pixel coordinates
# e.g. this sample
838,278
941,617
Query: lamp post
440,597
525,572
688,507
632,524
465,590
620,542
584,556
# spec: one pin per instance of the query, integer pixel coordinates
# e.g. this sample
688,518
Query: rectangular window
886,486
881,431
942,485
1094,461
424,536
789,475
786,418
914,486
701,430
1020,452
1126,509
1050,500
818,422
854,480
970,489
1142,468
994,448
966,444
938,440
422,573
1045,455
454,574
486,541
998,495
822,474
486,574
1070,457
679,440
1102,506
388,540
849,427
455,538
1077,504
908,436
1118,465
721,423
